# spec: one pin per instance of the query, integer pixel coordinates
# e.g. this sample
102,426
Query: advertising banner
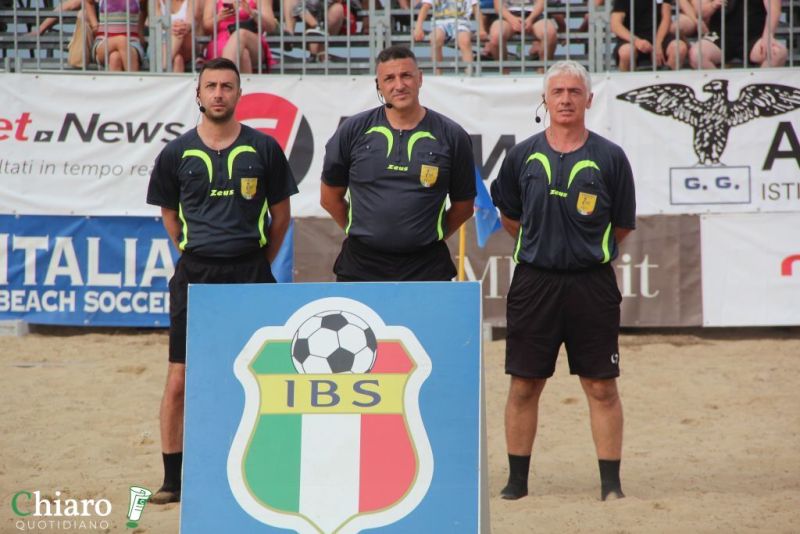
100,271
726,142
751,269
333,408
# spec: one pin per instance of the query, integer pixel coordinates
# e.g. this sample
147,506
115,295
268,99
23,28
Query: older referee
567,196
386,178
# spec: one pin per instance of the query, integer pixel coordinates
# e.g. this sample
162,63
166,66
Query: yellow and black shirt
399,180
221,196
568,204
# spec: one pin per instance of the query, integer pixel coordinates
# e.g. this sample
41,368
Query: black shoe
166,496
612,495
514,491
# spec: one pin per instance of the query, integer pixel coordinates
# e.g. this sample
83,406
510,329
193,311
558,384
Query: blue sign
333,408
98,271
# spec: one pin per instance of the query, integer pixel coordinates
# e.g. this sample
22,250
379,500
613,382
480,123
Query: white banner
751,269
89,150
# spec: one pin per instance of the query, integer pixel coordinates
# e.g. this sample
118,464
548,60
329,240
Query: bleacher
350,54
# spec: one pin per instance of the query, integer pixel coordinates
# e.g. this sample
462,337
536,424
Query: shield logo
586,203
331,437
249,187
428,175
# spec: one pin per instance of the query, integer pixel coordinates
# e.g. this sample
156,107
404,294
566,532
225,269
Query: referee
386,178
215,185
567,196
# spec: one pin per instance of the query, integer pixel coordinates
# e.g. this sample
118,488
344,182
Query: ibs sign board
333,408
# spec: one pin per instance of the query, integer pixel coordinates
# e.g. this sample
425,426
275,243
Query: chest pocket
588,198
430,166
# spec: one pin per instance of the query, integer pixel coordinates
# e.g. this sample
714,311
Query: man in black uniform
399,162
567,196
215,185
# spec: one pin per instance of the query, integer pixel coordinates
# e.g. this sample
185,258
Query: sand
712,432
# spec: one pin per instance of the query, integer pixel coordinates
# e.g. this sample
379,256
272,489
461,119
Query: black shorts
193,269
548,308
358,262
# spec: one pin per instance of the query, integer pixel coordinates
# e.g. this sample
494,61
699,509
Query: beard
220,117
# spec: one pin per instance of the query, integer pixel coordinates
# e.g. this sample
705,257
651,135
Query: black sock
609,478
517,486
172,470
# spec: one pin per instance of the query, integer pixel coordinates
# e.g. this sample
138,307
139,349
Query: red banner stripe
388,464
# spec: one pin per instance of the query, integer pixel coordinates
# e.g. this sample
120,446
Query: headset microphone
200,106
538,118
380,97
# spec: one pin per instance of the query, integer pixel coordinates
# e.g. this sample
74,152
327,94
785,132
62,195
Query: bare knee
601,391
525,390
176,383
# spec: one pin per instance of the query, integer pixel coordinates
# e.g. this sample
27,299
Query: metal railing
336,38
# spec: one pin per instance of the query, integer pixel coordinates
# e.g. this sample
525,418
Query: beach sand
712,432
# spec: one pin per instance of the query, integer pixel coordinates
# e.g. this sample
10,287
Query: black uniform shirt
568,205
399,180
221,196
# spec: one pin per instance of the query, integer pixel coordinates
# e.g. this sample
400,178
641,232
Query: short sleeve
623,203
620,6
336,165
164,189
506,192
280,180
462,183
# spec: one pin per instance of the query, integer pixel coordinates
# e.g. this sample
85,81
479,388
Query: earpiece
380,96
200,106
538,118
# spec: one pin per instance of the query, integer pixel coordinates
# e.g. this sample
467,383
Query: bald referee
386,179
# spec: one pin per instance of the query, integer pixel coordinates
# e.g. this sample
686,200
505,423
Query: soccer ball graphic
334,342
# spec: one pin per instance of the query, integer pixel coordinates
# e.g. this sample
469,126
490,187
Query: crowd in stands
647,34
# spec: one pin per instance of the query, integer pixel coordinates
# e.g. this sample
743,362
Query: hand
529,26
643,45
419,35
483,35
516,24
226,11
659,56
180,28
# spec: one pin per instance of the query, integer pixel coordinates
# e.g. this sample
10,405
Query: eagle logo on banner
713,119
331,437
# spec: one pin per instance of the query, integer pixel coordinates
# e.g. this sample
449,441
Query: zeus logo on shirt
221,193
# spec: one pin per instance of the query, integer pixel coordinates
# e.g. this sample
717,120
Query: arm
172,225
280,215
707,8
419,35
460,211
482,34
91,14
621,233
662,31
208,16
510,225
773,9
332,200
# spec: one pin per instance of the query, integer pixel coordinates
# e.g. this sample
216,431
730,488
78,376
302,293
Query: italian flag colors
330,447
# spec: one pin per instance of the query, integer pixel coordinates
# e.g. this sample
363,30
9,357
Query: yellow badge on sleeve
586,203
249,187
428,175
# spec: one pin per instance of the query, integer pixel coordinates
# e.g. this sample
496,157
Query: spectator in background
118,41
523,17
49,22
450,23
646,45
314,19
185,15
240,42
749,26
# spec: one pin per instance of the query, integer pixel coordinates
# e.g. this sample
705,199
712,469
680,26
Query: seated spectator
314,18
747,28
49,22
645,46
523,17
118,38
450,23
182,14
240,42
